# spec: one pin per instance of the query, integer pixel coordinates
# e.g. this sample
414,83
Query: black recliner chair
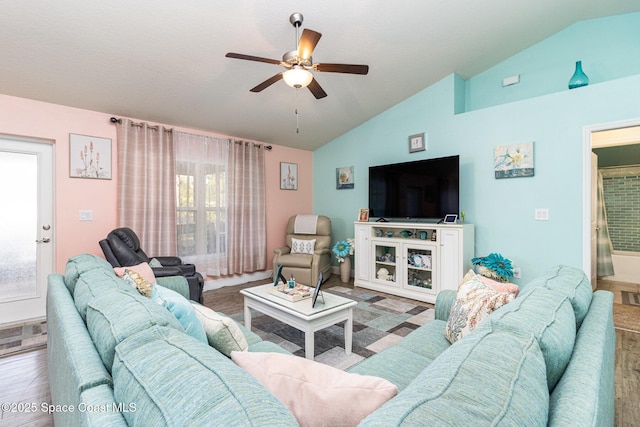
122,248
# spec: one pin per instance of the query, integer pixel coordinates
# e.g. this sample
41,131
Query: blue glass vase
579,78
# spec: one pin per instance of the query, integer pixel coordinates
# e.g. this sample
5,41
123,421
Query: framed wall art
89,157
288,176
344,178
513,161
417,143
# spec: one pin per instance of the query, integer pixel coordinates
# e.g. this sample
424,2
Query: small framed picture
89,157
363,215
450,218
288,176
417,143
344,178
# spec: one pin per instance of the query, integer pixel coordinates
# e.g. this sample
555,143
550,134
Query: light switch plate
85,215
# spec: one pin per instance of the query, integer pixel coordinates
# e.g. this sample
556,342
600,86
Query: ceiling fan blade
316,90
252,58
308,41
342,68
265,84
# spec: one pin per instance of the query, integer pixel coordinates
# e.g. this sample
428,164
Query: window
201,207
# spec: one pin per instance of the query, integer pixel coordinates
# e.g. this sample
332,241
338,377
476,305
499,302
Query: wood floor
23,378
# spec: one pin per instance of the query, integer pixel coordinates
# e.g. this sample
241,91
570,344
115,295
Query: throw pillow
474,302
317,394
303,246
143,269
222,332
137,282
493,284
182,309
153,262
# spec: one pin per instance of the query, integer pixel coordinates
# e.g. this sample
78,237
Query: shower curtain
604,262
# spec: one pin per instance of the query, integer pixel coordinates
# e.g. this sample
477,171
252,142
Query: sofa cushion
428,340
585,395
182,309
113,317
386,365
79,264
488,378
200,387
474,302
317,394
569,281
222,333
549,317
98,282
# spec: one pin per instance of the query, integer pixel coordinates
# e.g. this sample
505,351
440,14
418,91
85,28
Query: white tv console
421,258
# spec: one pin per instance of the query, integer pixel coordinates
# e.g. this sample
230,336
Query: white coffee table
301,315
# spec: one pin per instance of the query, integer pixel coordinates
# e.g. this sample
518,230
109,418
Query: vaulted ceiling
164,61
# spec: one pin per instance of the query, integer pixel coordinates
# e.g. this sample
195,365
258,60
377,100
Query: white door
26,227
594,221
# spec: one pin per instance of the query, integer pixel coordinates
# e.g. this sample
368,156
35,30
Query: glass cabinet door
420,272
385,268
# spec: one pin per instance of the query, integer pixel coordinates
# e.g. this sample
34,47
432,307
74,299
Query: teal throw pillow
182,309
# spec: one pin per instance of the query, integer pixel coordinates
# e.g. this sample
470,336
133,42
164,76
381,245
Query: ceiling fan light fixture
297,77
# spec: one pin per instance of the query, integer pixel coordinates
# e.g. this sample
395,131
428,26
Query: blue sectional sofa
116,358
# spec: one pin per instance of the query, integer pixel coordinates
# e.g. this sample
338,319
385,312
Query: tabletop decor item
342,251
494,266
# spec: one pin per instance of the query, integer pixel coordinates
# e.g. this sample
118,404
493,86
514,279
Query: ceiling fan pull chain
297,122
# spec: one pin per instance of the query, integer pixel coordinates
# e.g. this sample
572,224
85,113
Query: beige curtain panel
146,185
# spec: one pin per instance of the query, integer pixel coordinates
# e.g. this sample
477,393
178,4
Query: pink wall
34,119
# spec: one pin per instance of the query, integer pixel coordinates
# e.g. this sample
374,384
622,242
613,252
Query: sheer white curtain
146,185
202,201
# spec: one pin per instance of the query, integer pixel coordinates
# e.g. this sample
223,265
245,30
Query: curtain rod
116,120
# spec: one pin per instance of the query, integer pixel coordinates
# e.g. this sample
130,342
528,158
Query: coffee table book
298,293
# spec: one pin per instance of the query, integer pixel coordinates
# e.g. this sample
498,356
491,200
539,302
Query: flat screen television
424,189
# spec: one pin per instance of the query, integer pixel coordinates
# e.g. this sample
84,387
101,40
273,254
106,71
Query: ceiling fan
298,63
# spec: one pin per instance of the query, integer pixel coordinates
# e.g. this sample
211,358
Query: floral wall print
89,157
288,176
515,160
344,177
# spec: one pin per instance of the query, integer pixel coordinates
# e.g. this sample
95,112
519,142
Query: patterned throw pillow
474,302
222,332
138,282
299,246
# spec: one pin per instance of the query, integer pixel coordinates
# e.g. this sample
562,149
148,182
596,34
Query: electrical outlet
517,273
542,214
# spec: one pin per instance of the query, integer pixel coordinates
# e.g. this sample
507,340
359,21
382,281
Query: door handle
43,240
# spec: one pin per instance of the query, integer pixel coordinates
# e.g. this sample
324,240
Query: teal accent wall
609,49
501,210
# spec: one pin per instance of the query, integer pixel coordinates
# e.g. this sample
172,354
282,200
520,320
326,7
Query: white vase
345,270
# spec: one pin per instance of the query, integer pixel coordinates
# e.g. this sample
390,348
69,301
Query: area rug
378,322
630,298
626,317
20,337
